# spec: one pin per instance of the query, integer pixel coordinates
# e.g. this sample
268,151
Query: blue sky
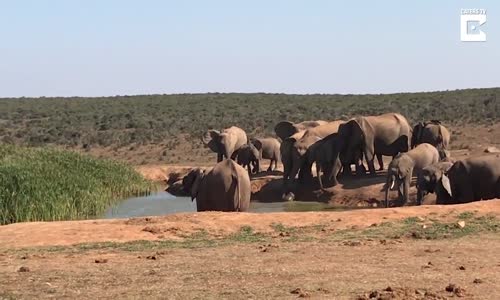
118,47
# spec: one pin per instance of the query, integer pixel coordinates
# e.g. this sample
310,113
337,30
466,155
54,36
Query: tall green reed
41,184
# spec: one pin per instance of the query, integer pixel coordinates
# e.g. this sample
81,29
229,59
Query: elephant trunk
406,190
391,179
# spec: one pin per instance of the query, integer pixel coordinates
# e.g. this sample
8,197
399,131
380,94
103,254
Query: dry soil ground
395,253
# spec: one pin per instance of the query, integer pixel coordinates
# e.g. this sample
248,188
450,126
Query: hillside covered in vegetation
130,122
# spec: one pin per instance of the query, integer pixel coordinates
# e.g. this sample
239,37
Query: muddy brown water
163,203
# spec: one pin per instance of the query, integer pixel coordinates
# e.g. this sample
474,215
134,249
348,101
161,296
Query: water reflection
163,203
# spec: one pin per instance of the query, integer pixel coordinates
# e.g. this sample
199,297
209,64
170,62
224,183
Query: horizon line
252,93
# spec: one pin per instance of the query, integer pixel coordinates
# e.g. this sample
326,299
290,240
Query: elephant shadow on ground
263,174
270,189
267,189
356,182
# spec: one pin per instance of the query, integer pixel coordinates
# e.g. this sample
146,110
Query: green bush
152,119
47,184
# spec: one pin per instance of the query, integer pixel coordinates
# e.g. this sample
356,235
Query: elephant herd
334,146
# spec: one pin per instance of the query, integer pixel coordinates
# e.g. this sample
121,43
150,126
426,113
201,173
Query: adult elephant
286,129
429,178
294,151
432,132
269,148
225,143
286,149
471,179
324,154
226,187
404,165
387,134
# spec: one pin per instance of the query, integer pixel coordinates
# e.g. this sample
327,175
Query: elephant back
233,186
238,134
286,129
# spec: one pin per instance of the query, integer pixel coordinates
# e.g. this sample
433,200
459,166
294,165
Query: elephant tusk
392,184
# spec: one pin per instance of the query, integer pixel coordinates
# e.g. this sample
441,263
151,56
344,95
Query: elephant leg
270,169
233,156
380,162
337,165
346,170
257,166
305,173
371,167
360,170
420,195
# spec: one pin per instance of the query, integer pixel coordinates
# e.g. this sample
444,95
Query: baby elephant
248,157
429,178
226,187
401,169
269,148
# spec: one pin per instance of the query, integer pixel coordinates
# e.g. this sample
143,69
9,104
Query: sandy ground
21,235
400,268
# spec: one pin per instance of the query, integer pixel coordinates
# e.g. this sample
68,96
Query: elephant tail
440,139
236,181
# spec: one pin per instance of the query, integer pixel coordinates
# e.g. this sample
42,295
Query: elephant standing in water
226,187
387,134
402,167
432,132
471,179
225,143
269,148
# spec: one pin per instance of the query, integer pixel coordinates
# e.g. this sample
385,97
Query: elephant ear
257,143
368,137
417,134
195,188
285,129
445,182
211,139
